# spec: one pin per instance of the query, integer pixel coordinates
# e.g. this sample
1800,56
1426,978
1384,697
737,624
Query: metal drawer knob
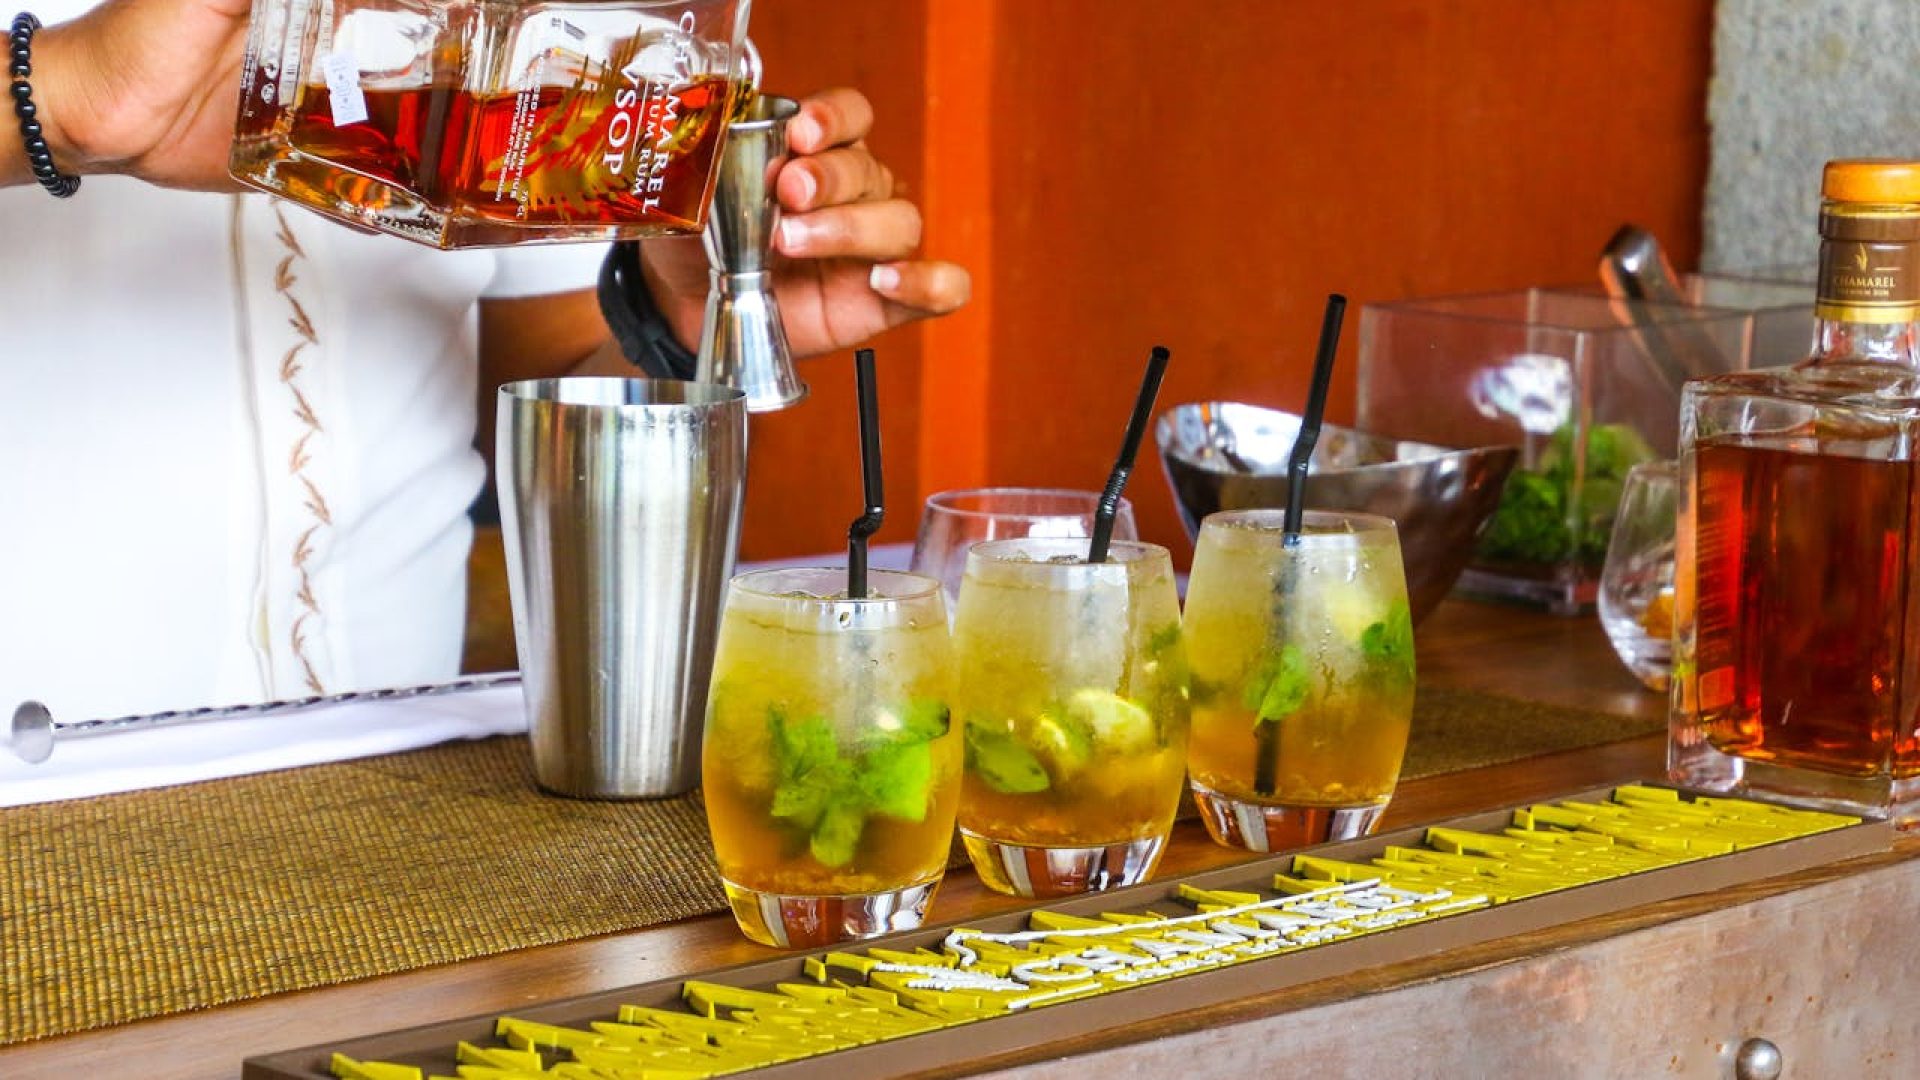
1757,1059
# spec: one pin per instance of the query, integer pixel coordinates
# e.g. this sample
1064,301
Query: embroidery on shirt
291,368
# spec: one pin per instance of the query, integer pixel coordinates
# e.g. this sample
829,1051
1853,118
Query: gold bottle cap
1871,180
1870,241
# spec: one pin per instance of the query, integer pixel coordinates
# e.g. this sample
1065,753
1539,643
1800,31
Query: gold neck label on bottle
1865,282
1869,269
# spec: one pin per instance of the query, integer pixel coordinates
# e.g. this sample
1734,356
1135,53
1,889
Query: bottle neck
1836,341
1867,308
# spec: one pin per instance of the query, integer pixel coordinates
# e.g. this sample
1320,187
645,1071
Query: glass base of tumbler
1259,827
1695,763
1020,870
809,922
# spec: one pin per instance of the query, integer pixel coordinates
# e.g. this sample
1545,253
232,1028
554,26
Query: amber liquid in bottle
458,124
555,155
1804,564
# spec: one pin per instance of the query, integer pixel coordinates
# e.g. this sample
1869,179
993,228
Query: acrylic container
1586,388
1778,302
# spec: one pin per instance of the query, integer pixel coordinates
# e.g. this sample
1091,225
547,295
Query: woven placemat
138,905
1462,729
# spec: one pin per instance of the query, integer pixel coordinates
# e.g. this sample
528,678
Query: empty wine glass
1636,584
954,521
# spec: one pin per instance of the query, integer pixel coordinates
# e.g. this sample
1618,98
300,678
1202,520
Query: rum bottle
485,122
1797,641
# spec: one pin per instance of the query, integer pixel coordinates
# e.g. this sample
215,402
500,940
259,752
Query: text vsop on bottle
654,112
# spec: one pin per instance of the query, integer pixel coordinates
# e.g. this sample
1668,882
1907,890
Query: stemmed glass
954,521
1636,584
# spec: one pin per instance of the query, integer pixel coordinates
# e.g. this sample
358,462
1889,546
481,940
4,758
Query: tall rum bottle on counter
1797,642
461,123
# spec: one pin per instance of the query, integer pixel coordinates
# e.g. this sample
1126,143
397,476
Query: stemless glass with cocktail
1072,688
1302,657
832,764
832,770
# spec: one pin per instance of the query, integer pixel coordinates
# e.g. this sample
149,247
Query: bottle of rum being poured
462,123
1797,640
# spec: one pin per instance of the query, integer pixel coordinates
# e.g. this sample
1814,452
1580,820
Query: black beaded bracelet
39,156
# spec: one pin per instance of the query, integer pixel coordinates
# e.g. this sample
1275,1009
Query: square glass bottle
460,123
1796,671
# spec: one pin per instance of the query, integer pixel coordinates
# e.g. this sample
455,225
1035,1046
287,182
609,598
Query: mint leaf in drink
1280,687
1388,644
894,773
1163,639
1392,637
897,780
1170,678
808,768
1004,765
828,793
838,834
801,746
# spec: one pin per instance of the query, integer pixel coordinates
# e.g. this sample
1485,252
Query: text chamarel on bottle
640,108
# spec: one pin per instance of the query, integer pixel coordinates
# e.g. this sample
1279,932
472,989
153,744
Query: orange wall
803,482
1120,173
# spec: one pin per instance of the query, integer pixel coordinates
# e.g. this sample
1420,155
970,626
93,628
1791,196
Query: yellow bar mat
133,906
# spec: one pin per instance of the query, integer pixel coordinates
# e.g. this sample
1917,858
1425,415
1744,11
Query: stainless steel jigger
743,343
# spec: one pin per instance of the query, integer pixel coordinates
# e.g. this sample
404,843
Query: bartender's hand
845,267
147,87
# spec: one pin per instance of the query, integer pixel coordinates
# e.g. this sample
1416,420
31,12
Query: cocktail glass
1302,660
1072,689
832,772
954,521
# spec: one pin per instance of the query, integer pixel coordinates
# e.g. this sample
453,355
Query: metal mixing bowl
1220,455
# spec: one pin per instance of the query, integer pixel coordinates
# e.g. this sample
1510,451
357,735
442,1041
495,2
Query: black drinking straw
1309,433
867,523
1266,764
1129,449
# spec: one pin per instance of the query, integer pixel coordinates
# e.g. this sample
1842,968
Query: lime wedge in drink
1116,724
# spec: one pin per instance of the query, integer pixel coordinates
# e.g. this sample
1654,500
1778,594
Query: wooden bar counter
1823,964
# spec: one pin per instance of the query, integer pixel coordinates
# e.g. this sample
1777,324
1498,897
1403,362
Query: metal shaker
620,506
742,342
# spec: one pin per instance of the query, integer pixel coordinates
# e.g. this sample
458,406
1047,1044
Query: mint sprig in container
831,763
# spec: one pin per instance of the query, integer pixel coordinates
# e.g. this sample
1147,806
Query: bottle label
342,73
1866,282
1869,264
